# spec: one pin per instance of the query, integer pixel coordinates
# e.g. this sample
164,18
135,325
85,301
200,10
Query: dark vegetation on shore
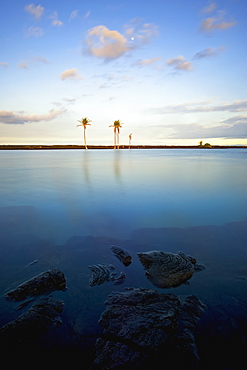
52,147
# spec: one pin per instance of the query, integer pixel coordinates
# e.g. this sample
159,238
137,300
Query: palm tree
84,122
116,125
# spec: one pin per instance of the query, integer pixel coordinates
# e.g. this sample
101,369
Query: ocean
65,208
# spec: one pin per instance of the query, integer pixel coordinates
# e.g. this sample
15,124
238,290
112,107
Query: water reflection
117,166
86,160
115,192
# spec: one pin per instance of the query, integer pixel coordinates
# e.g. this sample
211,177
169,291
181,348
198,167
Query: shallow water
65,208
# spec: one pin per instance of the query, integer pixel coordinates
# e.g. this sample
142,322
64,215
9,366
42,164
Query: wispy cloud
235,128
236,106
4,64
107,44
216,22
35,11
87,14
179,63
71,74
34,31
209,8
209,52
55,20
73,14
40,59
10,117
25,64
69,100
147,62
140,33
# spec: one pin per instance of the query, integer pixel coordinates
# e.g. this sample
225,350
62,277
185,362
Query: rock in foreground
43,283
166,270
144,328
32,323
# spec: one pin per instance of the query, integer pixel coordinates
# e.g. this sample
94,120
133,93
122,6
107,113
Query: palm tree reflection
117,166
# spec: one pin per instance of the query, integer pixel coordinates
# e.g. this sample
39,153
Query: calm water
115,192
65,208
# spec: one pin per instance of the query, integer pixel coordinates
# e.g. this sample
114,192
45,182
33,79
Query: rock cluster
142,327
103,272
43,313
34,321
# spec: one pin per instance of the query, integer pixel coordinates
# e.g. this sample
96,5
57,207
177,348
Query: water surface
65,208
104,192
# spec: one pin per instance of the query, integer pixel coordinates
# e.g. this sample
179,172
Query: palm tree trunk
118,132
85,142
118,140
115,137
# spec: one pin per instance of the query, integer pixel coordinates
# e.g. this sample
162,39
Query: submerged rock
43,283
120,279
102,273
33,322
166,270
143,327
122,255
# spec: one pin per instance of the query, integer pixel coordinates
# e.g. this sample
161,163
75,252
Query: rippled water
65,208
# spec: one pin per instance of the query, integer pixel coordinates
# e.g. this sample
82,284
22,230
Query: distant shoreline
58,147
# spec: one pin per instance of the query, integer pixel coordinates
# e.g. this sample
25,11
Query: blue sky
173,71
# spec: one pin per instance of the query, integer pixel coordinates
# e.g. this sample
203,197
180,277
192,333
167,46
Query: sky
173,71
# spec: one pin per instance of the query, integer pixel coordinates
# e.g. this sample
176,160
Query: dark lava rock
166,270
43,283
146,329
102,273
122,255
33,322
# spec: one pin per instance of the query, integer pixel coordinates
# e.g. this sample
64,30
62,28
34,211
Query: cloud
69,101
140,33
180,63
147,62
210,8
216,23
4,65
25,64
71,74
73,14
40,59
209,52
36,11
55,20
236,106
107,44
235,128
34,31
87,14
104,43
9,117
